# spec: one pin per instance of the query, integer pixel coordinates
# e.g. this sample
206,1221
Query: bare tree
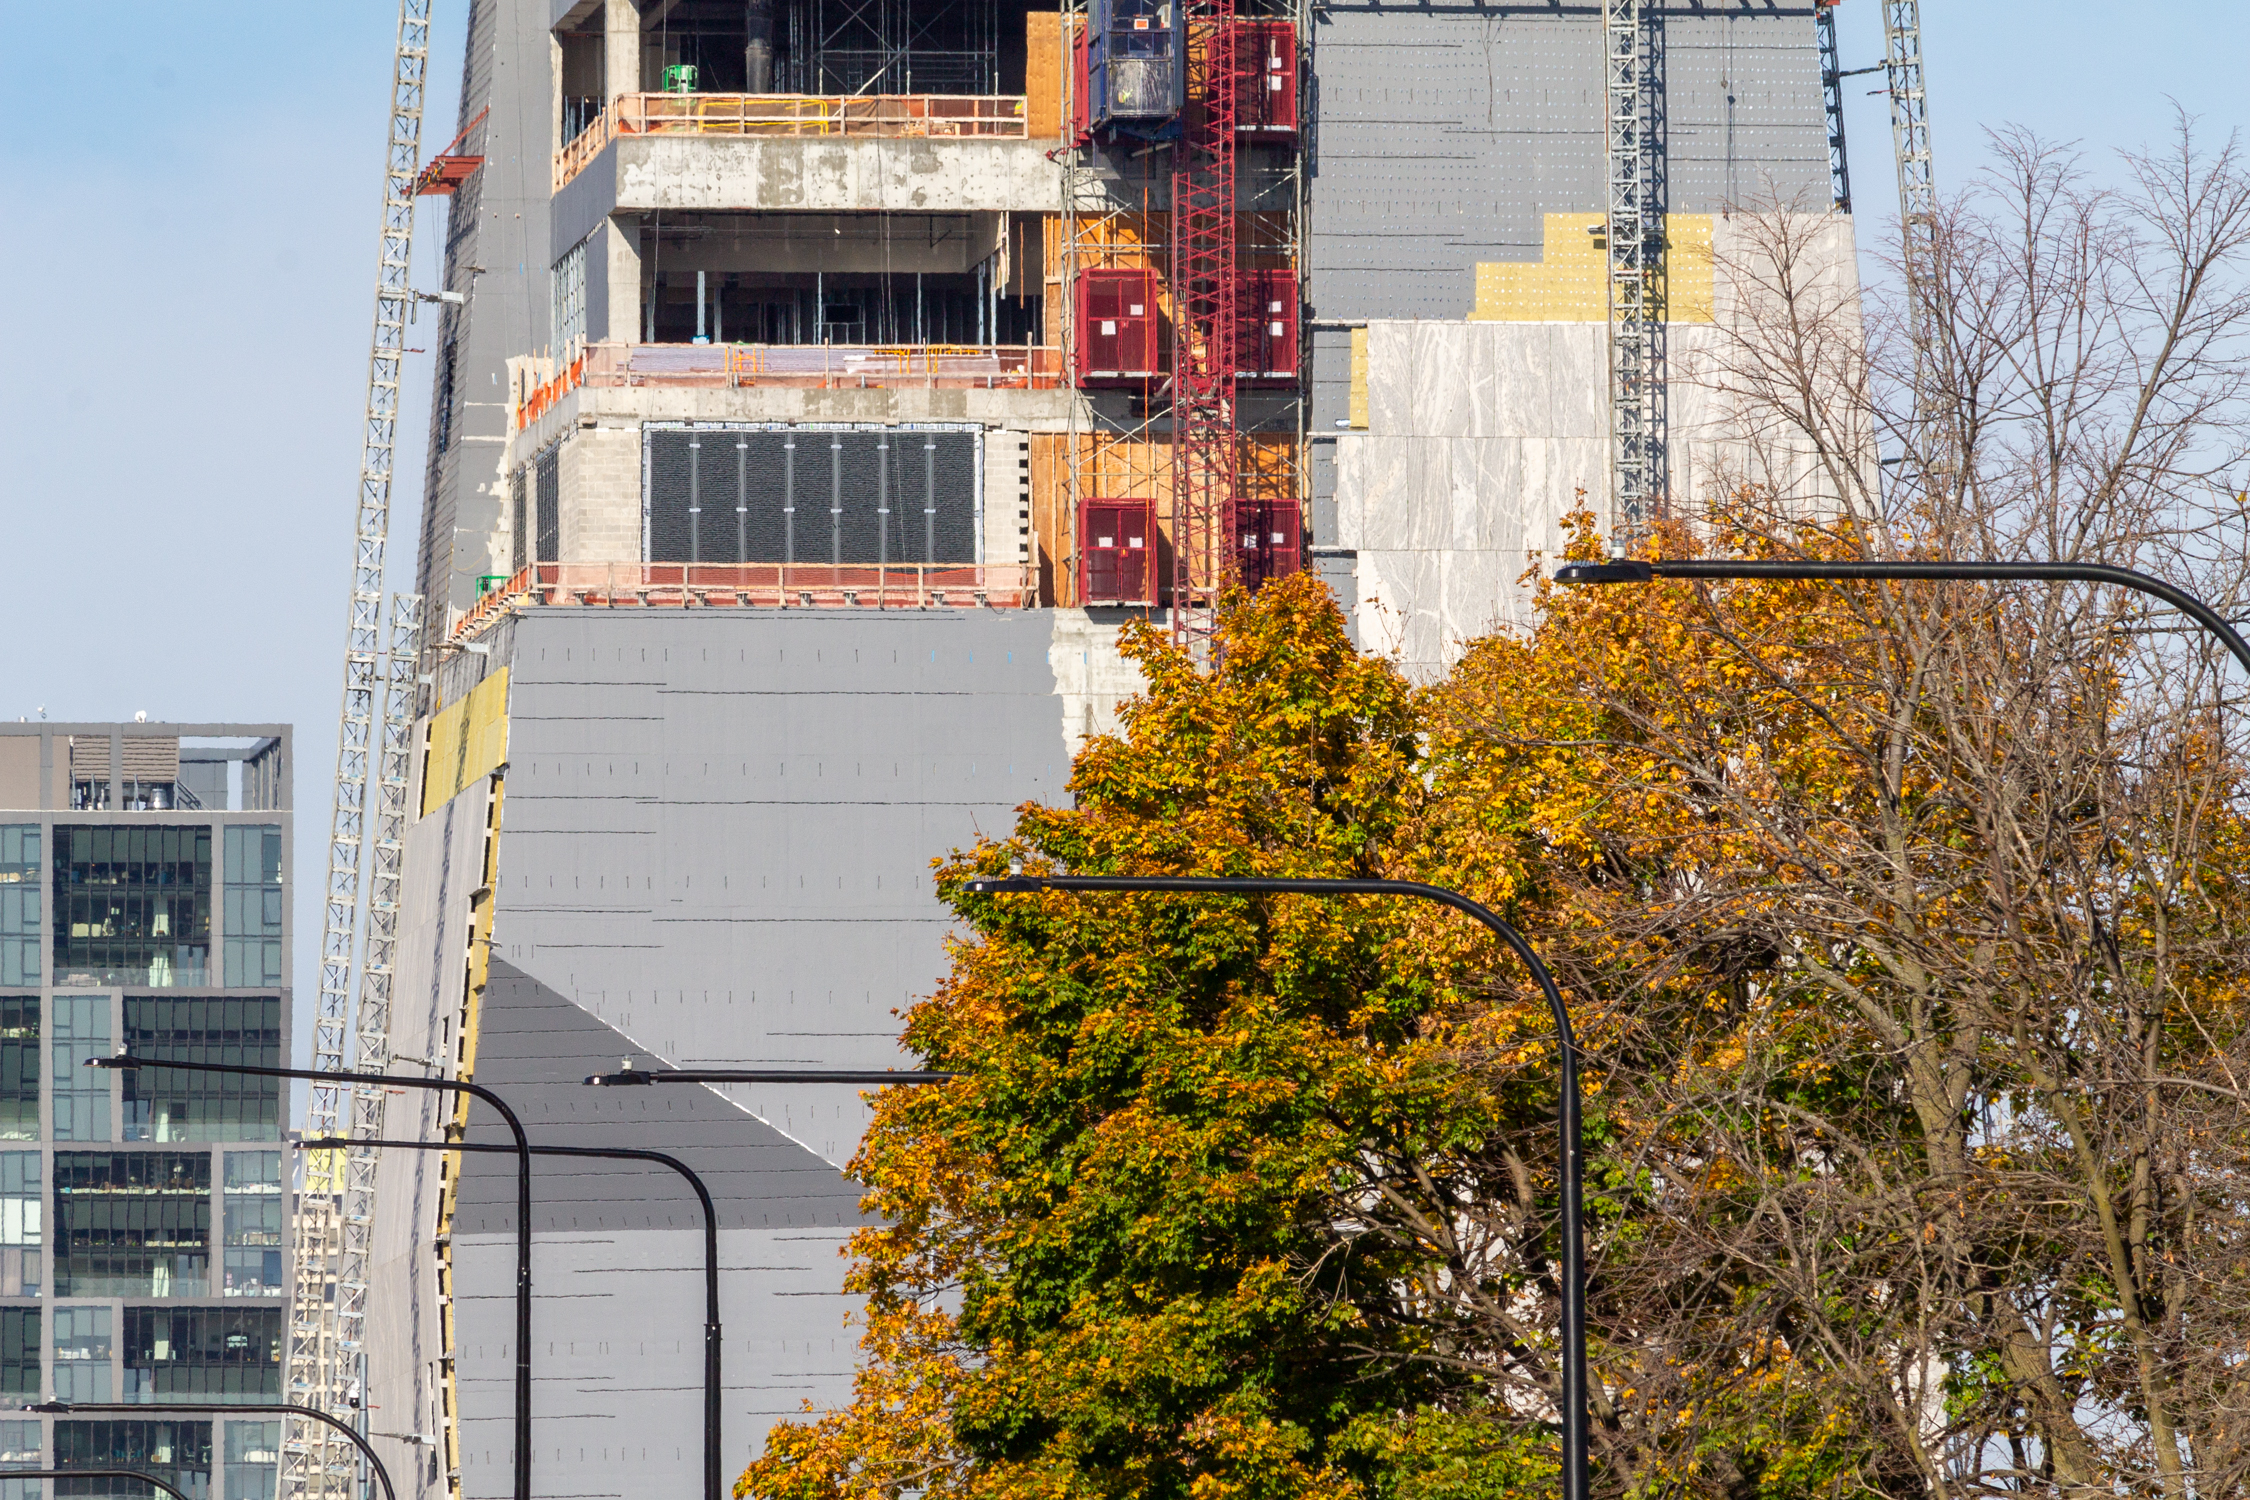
1910,920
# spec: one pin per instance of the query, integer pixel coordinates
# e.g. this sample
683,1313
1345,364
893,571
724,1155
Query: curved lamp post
1572,1174
137,1408
92,1474
714,1487
126,1061
1978,572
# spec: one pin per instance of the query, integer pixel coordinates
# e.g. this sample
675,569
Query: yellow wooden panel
468,741
441,757
1359,376
485,747
1569,283
1043,54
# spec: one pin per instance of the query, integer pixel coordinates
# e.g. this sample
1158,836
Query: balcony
757,586
804,366
797,116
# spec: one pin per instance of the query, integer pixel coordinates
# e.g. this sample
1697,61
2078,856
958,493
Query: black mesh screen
549,504
801,495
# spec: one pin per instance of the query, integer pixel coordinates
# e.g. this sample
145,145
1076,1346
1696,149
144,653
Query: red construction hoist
1205,435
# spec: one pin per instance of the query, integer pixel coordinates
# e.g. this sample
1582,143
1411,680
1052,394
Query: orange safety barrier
808,366
938,116
758,585
535,405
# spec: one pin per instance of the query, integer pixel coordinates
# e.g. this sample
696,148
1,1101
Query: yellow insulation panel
1359,379
1569,283
468,741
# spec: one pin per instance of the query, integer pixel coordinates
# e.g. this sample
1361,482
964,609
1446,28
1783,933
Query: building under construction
821,384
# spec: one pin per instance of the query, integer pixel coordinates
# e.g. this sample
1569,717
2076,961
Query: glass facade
132,1224
22,1446
81,1100
19,1354
132,905
253,1457
203,1353
166,1105
82,1351
142,1256
253,907
22,1205
22,933
178,1453
19,1067
253,1215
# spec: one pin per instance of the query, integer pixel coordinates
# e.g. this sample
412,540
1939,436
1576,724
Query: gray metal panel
1445,134
580,207
719,825
535,1048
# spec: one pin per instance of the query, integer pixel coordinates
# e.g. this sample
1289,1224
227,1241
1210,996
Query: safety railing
815,366
803,585
928,116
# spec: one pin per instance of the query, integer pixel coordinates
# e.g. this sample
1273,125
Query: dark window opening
179,1453
162,1104
132,905
19,1353
19,1067
132,1224
901,307
202,1353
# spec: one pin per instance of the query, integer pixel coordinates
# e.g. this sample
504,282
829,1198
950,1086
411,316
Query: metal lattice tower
323,1335
1917,220
1910,138
1205,435
1832,105
1634,230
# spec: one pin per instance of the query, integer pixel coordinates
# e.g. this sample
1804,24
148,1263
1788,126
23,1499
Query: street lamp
1574,1435
1986,572
92,1474
137,1408
126,1061
714,1486
628,1075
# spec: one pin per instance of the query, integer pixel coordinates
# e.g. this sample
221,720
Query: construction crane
326,1329
1634,256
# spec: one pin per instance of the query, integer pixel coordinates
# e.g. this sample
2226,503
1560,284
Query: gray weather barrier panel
810,495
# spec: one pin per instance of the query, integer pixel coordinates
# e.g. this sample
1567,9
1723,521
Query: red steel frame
1204,335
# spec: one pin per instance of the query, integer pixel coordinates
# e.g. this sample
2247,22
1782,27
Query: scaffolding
325,1330
1219,464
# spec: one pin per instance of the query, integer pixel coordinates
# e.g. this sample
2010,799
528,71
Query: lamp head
1619,571
121,1061
626,1075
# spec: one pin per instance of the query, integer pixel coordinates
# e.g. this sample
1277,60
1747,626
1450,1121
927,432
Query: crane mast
1634,233
325,1333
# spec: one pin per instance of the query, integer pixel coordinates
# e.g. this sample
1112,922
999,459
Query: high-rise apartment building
144,1215
834,379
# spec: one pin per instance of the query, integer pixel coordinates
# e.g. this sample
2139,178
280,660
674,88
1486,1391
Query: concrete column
621,48
757,54
617,259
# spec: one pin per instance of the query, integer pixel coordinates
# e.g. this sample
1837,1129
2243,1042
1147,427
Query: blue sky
190,262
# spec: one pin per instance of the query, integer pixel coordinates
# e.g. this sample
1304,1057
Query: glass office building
144,882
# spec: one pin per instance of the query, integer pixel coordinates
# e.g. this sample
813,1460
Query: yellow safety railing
925,116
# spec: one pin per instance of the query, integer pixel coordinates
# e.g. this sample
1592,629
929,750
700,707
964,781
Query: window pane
19,1353
82,1350
253,1225
81,1094
21,1204
132,1224
21,1447
22,933
253,1459
19,1067
252,924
